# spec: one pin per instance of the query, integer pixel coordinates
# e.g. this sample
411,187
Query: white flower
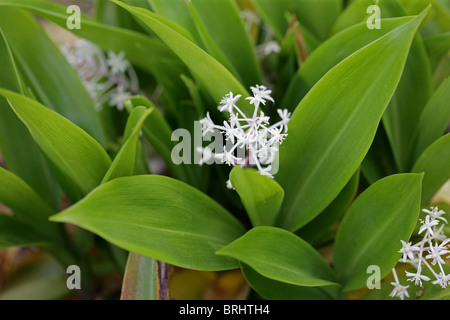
285,116
260,95
107,80
228,102
117,62
408,250
118,97
428,225
442,280
399,291
417,277
436,252
435,213
254,135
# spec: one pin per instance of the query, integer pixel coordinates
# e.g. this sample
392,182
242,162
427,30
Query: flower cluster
427,252
108,78
252,137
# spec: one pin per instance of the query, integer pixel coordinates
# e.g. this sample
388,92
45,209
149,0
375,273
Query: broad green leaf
47,72
124,162
140,280
261,195
273,12
371,230
434,162
80,161
177,11
147,53
213,76
404,111
236,49
27,162
433,120
282,256
437,44
329,134
17,233
379,161
158,132
158,217
275,290
318,16
332,52
314,231
25,202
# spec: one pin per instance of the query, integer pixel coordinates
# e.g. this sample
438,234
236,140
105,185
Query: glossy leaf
318,16
314,231
213,76
158,217
329,135
80,161
177,11
124,162
438,44
434,162
16,233
371,230
276,290
147,53
261,195
280,255
47,72
434,119
332,52
26,204
159,134
26,162
237,50
273,12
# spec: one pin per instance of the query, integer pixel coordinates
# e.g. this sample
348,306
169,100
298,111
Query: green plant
364,145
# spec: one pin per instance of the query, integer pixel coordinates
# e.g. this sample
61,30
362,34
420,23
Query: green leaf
17,233
433,120
314,231
213,76
332,52
236,49
158,132
261,195
124,162
46,71
437,44
24,201
158,217
140,280
80,161
275,290
147,53
329,134
318,16
177,11
371,230
407,104
273,13
282,256
434,162
27,162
